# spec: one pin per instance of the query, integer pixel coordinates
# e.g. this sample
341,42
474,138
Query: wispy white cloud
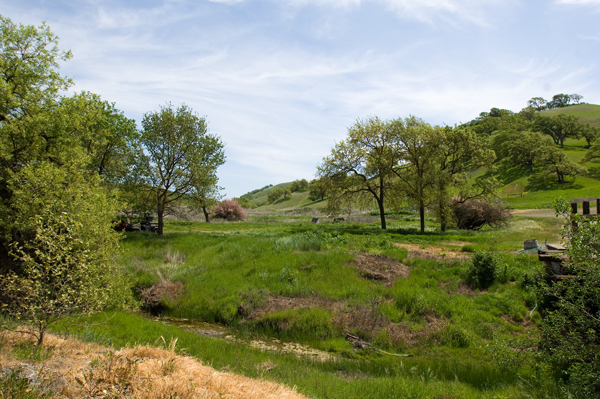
280,97
579,2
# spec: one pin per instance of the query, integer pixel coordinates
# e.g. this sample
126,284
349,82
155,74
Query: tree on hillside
538,103
317,189
556,162
575,98
417,144
520,149
299,185
179,149
274,195
590,133
592,153
559,101
559,127
360,169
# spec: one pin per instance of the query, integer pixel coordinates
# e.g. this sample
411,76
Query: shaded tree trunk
206,214
381,213
422,216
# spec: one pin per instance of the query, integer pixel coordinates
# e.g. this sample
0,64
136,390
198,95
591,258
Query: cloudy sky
281,80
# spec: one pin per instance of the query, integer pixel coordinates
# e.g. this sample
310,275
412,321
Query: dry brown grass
77,369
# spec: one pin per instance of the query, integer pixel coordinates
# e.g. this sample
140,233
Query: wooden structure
585,205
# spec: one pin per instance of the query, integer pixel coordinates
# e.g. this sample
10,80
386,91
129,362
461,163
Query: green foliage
180,152
570,332
558,127
15,385
482,270
66,264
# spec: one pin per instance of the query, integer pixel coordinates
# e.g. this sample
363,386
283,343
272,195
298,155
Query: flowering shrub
230,210
474,214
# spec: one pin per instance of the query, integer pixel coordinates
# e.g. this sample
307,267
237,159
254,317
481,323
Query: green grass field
310,284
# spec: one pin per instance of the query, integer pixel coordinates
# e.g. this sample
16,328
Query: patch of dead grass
79,369
379,268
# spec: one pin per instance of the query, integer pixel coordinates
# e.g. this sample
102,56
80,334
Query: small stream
214,330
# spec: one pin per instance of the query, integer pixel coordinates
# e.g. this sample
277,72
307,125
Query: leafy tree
317,189
417,144
570,330
206,193
286,192
360,169
555,161
179,150
62,255
299,185
521,149
590,133
538,103
56,242
592,153
274,195
559,101
575,98
558,127
459,151
109,138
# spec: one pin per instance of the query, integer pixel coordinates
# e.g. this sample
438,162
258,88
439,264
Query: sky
280,81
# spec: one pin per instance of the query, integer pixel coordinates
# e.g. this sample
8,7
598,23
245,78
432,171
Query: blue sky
281,80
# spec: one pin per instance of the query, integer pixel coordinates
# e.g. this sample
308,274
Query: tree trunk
381,213
530,167
160,213
206,214
422,216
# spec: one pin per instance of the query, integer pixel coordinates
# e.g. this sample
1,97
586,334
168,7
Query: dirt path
536,213
450,250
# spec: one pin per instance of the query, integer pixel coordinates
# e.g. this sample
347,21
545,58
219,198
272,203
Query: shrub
474,214
229,210
482,271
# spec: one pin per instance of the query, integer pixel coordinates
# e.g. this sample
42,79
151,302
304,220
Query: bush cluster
474,214
230,210
482,270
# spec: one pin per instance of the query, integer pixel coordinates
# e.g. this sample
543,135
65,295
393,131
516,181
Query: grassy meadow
397,291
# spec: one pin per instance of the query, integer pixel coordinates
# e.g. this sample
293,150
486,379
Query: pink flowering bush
474,214
230,210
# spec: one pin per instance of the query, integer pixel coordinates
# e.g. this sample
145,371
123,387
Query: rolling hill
520,189
587,113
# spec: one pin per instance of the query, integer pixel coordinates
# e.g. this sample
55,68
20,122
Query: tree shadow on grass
549,182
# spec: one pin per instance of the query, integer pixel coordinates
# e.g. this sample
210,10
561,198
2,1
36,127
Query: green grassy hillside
298,199
587,113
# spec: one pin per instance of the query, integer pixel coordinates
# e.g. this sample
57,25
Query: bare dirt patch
379,268
276,303
448,251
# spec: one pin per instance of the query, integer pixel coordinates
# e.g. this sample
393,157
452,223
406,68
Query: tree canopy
180,152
